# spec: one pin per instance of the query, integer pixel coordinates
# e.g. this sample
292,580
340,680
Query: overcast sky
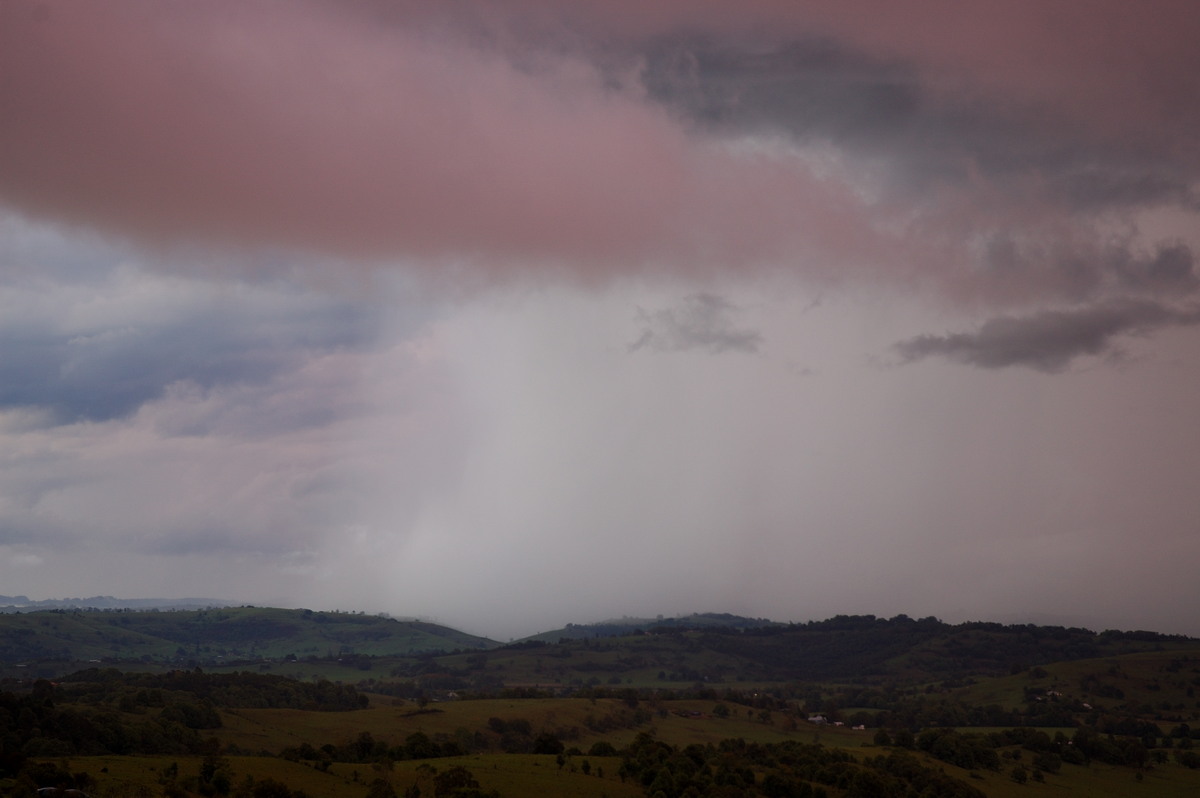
513,314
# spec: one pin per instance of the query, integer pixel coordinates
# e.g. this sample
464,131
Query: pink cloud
390,130
296,124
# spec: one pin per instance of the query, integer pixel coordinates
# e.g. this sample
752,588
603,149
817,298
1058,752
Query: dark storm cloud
1170,269
810,88
1089,271
992,166
1050,340
701,321
824,90
1097,187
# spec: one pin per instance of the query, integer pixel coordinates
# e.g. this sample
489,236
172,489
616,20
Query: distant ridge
24,604
618,627
215,635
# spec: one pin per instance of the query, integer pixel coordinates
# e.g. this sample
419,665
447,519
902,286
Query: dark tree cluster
37,723
365,748
242,690
737,769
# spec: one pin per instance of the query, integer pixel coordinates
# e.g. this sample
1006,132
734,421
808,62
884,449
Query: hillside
214,635
862,649
620,627
711,648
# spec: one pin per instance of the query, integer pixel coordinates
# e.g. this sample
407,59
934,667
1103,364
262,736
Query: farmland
845,707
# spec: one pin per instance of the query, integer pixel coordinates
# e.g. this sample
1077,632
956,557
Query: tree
547,743
380,789
270,788
448,782
1048,761
418,746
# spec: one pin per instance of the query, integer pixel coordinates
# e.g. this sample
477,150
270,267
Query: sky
512,314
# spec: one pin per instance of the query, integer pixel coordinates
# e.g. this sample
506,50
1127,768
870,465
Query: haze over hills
579,629
25,604
708,647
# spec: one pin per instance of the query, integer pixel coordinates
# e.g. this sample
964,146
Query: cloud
340,290
701,321
260,471
1170,270
914,136
489,142
25,560
96,341
1047,341
307,126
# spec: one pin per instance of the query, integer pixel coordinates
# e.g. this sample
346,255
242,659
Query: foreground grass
147,776
529,775
509,774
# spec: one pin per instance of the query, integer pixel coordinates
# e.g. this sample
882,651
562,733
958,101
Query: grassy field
1155,683
574,720
524,775
1094,781
533,775
1163,683
511,775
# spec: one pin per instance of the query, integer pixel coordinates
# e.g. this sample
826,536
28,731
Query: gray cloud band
1048,341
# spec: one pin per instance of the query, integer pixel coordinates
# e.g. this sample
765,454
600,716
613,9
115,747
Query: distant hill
219,634
859,648
710,648
24,604
619,627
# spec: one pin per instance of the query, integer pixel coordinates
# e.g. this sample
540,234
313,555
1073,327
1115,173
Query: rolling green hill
214,635
858,649
709,649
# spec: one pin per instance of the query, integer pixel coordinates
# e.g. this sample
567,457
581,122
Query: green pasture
1158,683
573,720
1091,781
